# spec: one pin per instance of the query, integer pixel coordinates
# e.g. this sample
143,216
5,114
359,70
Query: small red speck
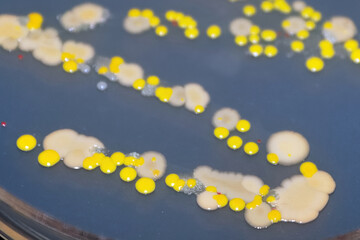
282,33
218,193
174,23
259,140
20,56
3,124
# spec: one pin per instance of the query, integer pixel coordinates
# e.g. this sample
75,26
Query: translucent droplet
84,68
199,187
101,86
148,90
134,154
101,61
111,76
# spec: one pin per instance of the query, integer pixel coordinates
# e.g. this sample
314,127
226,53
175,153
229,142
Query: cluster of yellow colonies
256,35
327,51
269,35
307,169
189,24
108,165
281,6
274,215
154,20
127,174
162,93
114,66
186,22
144,185
175,182
235,204
312,17
70,64
235,142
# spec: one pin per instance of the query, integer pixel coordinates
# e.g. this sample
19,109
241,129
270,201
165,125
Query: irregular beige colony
70,22
72,146
258,217
177,98
80,50
322,181
233,185
226,117
154,165
296,25
300,199
136,25
195,95
129,73
40,38
90,13
10,44
11,31
298,5
343,29
240,27
290,147
206,201
48,55
84,16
